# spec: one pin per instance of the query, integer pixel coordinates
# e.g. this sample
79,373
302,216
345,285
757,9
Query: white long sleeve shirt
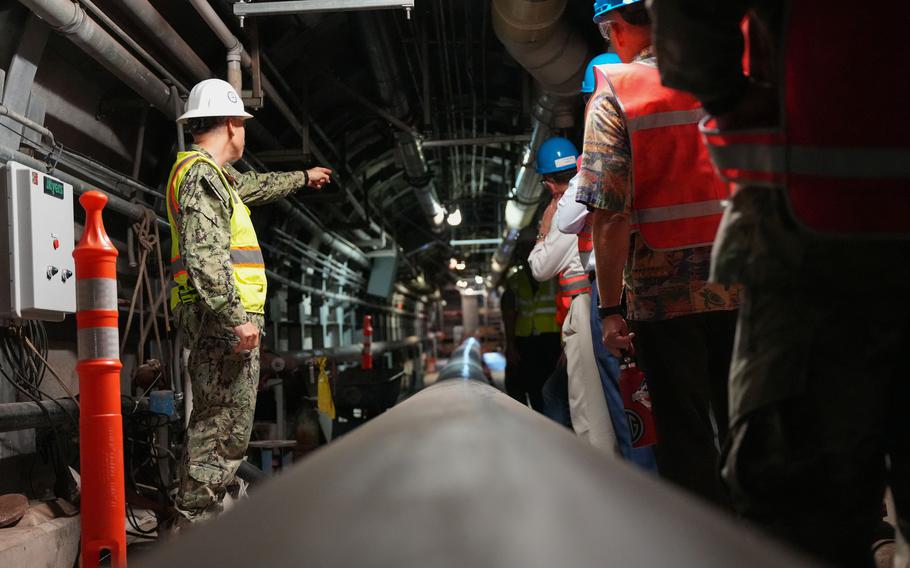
571,216
556,253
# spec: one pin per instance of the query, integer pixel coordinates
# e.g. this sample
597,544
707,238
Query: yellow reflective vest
536,311
246,256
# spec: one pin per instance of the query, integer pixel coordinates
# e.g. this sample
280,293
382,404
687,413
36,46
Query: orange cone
100,423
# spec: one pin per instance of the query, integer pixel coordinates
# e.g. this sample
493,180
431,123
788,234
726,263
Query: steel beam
316,6
21,78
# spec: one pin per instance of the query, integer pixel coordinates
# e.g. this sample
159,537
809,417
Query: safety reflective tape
575,287
749,157
96,294
547,310
177,265
865,163
666,119
676,212
98,343
247,256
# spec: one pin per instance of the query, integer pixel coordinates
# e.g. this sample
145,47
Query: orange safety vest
677,198
842,154
586,241
569,287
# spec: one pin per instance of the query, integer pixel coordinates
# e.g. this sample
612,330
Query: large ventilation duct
69,19
535,34
381,55
526,195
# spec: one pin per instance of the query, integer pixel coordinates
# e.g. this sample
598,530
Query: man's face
238,137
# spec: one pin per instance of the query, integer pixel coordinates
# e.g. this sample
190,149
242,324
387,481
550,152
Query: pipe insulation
461,475
535,34
70,19
381,55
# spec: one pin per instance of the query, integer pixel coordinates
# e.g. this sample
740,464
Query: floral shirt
659,284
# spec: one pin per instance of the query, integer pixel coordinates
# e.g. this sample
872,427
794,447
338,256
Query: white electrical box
36,245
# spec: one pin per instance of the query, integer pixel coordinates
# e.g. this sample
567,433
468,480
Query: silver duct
535,34
526,195
69,19
380,54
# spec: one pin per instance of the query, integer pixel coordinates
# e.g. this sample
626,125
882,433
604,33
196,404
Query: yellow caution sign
324,401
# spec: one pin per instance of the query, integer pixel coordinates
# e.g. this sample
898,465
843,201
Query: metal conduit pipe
27,122
287,209
70,19
535,34
381,55
132,211
461,474
146,14
295,359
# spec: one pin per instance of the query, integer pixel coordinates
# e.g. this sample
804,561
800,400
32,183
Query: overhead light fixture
478,279
460,266
462,283
454,218
453,263
440,216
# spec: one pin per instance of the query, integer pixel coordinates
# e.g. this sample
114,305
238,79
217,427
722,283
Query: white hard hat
213,97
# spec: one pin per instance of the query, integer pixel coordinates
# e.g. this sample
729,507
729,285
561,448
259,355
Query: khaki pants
587,403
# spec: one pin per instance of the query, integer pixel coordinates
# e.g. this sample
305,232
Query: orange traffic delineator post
366,359
100,423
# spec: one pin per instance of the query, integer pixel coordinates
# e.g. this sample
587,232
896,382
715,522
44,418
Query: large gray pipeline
154,22
462,475
69,19
535,34
381,55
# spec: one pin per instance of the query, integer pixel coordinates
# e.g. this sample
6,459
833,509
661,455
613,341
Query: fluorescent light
454,218
478,279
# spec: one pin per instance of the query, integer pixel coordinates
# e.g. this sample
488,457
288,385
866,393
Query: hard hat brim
198,113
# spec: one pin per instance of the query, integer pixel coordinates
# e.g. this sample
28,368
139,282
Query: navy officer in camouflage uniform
219,287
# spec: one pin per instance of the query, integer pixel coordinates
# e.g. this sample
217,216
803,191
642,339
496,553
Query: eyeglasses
604,27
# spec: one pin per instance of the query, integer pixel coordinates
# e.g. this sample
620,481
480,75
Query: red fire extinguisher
637,400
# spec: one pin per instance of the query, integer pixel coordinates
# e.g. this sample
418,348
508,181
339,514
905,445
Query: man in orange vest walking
656,203
815,142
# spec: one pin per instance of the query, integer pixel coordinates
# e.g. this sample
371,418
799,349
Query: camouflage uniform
224,383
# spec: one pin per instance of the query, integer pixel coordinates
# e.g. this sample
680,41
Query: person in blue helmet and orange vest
573,394
814,140
656,205
573,219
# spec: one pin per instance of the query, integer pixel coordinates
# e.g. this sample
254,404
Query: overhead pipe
380,54
70,19
536,35
146,14
130,210
525,197
460,474
286,209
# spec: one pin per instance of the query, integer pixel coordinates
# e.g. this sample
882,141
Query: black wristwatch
610,311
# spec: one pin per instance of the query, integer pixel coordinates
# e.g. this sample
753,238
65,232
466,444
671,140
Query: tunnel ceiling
455,75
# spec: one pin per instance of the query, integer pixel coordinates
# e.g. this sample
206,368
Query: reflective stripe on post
366,361
100,424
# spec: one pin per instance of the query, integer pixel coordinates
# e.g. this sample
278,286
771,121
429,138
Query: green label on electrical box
53,187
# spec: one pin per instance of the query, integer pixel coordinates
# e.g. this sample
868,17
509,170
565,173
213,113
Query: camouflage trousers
224,397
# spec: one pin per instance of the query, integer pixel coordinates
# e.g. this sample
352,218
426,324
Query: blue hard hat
556,155
588,85
601,7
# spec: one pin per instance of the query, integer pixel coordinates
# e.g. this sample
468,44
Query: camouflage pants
224,398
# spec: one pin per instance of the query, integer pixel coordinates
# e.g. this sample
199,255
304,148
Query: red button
56,244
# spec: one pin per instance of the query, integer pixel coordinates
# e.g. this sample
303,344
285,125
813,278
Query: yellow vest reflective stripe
536,312
246,256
